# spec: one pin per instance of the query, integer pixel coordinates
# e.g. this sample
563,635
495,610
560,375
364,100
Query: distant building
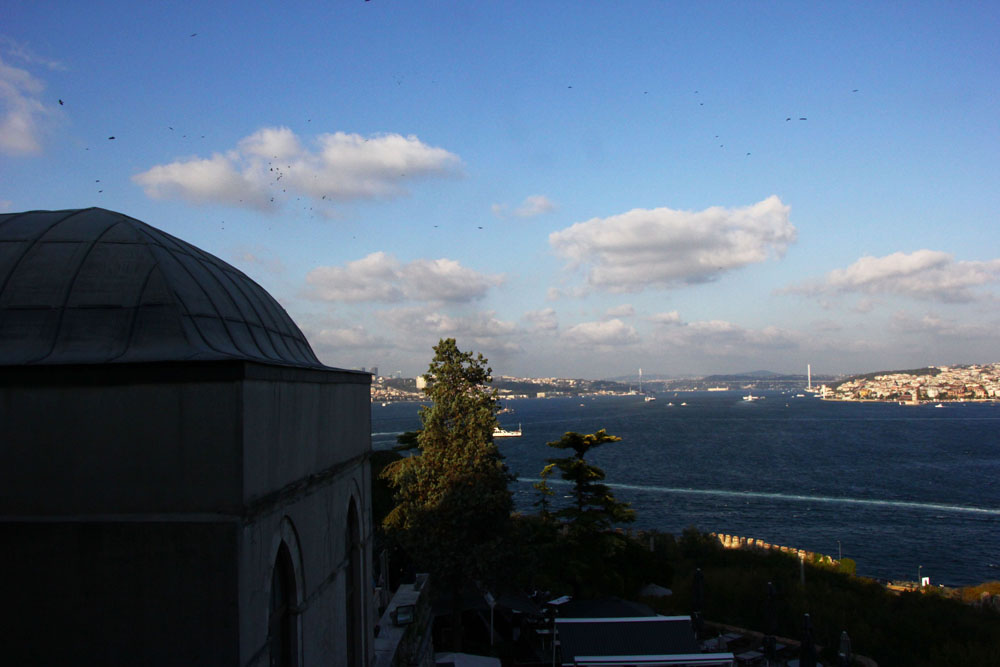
421,383
181,481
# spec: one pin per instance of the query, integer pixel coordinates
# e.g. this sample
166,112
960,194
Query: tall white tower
809,375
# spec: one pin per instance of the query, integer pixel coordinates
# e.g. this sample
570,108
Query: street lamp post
920,569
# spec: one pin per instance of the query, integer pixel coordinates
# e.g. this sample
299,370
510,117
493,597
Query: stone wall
737,542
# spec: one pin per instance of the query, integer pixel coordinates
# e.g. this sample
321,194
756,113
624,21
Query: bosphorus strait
899,489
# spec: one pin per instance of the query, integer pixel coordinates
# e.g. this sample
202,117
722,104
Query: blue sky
572,189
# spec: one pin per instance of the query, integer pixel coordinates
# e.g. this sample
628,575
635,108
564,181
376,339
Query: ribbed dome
92,286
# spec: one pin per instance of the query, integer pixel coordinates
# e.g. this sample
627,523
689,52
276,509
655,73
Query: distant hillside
752,375
933,371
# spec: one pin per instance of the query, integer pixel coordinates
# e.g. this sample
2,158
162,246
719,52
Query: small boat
751,397
649,399
500,432
670,405
683,403
939,405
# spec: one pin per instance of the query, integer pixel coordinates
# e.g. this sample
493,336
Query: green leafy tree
453,507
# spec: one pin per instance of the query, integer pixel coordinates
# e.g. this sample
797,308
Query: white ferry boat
500,432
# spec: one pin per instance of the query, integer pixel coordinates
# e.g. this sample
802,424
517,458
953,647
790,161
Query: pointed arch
285,599
354,587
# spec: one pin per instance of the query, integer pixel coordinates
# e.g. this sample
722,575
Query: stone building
181,480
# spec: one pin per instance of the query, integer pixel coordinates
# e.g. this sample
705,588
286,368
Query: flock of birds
279,173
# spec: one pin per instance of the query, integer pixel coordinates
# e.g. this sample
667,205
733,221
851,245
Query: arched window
355,589
281,635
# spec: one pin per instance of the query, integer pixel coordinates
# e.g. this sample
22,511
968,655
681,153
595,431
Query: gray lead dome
92,286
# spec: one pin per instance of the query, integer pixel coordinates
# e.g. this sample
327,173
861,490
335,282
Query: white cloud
624,310
923,274
672,317
23,53
534,205
341,337
201,181
935,325
23,116
609,332
419,329
719,337
382,277
262,259
529,208
663,247
273,164
542,320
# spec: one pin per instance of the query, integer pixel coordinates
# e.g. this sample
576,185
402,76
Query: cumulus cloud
262,259
924,274
664,247
719,337
935,325
624,310
382,277
672,317
603,333
273,163
529,208
23,115
419,328
534,205
542,320
345,336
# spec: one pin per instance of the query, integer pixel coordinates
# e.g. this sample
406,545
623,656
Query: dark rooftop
630,636
92,286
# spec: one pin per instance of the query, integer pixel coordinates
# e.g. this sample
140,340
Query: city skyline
572,190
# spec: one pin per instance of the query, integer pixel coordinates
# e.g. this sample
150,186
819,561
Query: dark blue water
902,488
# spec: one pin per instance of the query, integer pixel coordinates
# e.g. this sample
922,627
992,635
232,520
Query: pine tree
594,507
588,541
453,506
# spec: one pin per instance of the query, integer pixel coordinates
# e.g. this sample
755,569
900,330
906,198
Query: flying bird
60,102
110,138
801,118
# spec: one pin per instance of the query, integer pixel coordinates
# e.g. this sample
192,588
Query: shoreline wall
738,542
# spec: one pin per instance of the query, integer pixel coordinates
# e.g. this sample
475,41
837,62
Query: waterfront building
181,480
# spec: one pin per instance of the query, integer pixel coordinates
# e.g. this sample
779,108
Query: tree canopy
452,502
594,507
